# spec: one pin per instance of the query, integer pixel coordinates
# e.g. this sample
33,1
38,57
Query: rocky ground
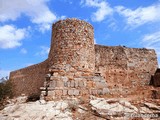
77,109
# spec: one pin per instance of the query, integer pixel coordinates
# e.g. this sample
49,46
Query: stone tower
72,61
72,47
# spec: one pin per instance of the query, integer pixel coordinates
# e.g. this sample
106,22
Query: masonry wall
72,47
29,80
73,60
125,68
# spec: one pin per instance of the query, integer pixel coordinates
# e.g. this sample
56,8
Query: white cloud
63,17
140,15
95,41
36,10
4,73
11,37
103,9
152,41
23,51
29,64
113,26
44,51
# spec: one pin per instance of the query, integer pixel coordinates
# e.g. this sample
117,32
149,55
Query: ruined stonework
77,67
126,70
28,80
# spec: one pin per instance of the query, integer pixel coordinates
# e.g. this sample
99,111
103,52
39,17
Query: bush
5,92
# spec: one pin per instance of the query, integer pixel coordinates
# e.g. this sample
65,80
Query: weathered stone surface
81,83
100,92
65,92
106,107
28,80
68,38
72,83
53,83
94,92
76,92
58,92
152,106
68,84
71,92
119,65
51,93
37,111
60,83
105,91
100,85
84,92
76,83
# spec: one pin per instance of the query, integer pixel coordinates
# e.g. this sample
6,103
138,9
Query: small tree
5,91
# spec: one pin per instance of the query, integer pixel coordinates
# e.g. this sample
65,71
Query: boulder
112,107
152,106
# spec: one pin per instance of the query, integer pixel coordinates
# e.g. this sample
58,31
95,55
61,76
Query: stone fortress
77,67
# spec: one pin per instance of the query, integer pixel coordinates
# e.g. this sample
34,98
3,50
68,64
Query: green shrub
5,92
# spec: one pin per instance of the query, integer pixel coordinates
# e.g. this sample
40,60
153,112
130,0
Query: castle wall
73,60
29,80
124,67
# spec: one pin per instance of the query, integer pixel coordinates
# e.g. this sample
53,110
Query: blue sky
25,26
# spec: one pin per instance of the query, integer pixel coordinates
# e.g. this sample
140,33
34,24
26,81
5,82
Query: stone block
71,92
105,91
98,79
42,88
54,78
131,64
76,83
43,93
80,84
70,76
84,92
94,92
60,84
45,83
65,92
64,78
89,84
68,84
52,83
85,83
58,92
100,85
100,92
76,92
51,93
86,74
65,84
78,79
78,74
72,83
55,74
